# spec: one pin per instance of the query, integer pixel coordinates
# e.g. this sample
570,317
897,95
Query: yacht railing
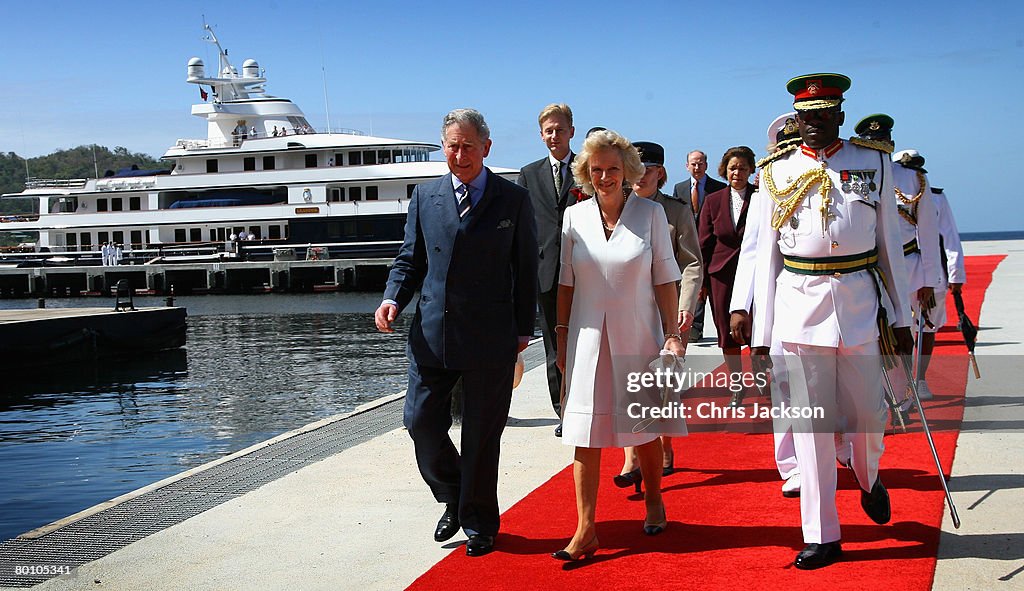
237,139
34,183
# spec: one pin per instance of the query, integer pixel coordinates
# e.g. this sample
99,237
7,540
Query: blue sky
707,78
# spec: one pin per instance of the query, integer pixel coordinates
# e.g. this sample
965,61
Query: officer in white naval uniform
918,231
826,232
783,136
952,274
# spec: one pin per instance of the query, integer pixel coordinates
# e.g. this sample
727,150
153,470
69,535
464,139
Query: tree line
75,163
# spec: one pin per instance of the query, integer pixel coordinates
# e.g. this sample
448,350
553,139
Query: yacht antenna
323,72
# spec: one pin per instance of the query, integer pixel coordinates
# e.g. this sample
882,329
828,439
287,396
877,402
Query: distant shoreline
979,236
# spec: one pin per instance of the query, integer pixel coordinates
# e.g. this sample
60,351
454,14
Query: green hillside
76,163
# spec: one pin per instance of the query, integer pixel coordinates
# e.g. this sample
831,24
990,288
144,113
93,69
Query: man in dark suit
549,180
692,192
471,248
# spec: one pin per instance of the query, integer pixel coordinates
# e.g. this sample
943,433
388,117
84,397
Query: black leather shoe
818,555
479,544
558,430
876,503
448,525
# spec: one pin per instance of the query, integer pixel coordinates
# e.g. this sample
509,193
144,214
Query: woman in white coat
617,309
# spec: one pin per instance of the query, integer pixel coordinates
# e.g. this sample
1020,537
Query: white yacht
262,174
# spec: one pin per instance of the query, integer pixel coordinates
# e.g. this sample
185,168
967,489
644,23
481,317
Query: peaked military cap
650,153
817,91
874,127
910,159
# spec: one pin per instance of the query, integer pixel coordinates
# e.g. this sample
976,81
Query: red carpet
730,527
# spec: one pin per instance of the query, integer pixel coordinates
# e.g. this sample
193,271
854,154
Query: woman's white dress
615,327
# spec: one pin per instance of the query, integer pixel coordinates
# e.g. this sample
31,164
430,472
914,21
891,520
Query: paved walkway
362,519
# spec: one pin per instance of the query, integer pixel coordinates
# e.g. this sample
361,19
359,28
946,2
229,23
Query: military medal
844,176
846,187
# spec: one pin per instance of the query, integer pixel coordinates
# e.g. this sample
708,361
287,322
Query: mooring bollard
41,302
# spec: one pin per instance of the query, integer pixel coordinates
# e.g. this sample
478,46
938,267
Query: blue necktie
464,201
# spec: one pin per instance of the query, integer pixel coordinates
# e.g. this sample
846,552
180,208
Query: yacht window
179,234
254,231
136,239
249,163
310,160
355,193
195,235
119,237
371,193
117,204
211,165
355,158
135,203
102,237
101,205
286,231
397,156
221,234
348,229
72,241
85,239
339,159
213,235
268,163
337,194
274,232
384,156
369,156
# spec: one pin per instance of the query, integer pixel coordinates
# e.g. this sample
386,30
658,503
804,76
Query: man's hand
926,297
685,321
904,340
739,326
955,287
676,346
385,315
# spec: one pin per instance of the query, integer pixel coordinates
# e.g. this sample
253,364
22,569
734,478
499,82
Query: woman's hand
676,345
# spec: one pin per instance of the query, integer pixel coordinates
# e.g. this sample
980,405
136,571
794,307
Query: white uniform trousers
846,383
782,429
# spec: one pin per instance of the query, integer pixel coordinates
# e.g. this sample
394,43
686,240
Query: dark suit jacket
719,240
549,208
682,191
477,275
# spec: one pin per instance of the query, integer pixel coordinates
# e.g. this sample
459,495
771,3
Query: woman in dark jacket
720,230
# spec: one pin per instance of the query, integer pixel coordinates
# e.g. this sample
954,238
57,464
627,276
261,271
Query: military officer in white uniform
952,274
783,136
918,231
828,228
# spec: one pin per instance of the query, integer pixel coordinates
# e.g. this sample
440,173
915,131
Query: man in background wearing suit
549,180
471,249
692,192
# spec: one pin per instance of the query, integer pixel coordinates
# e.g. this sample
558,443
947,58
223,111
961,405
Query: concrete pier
228,276
360,517
52,337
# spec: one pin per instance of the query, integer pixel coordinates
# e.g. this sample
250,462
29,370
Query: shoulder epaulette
937,190
885,147
777,154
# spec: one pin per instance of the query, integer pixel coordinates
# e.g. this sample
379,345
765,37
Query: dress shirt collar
477,185
552,161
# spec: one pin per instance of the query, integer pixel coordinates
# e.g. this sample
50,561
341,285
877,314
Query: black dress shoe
818,555
479,544
876,503
558,430
448,525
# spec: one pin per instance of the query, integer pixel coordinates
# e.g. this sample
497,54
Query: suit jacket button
437,249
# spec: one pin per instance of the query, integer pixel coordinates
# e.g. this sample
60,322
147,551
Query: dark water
254,367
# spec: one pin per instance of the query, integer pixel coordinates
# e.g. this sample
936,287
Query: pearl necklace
600,213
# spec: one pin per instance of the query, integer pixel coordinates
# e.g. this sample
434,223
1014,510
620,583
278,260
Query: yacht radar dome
196,69
250,69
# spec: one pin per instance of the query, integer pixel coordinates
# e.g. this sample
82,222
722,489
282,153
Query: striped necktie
557,169
695,198
464,200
